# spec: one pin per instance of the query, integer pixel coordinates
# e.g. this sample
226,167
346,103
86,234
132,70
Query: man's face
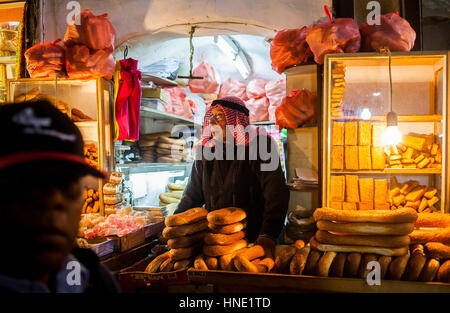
43,224
218,124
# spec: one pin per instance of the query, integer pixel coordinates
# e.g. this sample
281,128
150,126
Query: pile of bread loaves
209,241
113,194
161,148
345,243
173,195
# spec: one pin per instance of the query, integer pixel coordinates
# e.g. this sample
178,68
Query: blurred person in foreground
41,171
238,165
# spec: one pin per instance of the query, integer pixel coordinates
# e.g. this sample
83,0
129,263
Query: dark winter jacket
241,183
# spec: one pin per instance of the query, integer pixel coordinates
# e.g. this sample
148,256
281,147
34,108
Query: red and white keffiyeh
236,116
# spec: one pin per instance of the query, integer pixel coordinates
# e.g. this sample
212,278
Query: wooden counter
235,282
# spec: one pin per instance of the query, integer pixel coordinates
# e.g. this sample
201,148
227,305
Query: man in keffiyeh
238,165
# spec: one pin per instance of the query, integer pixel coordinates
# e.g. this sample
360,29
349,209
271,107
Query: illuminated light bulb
392,136
365,114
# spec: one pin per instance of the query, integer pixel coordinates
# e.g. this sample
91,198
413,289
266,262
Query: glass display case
89,104
385,131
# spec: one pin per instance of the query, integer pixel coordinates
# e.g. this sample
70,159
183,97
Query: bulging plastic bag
233,88
82,63
45,59
393,32
275,92
210,83
289,47
297,109
96,32
336,36
256,88
178,104
258,109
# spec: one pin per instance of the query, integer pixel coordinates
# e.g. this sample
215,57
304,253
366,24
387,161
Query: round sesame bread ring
226,216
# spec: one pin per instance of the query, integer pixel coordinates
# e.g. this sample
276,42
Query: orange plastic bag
289,47
45,59
393,32
210,82
96,32
82,63
297,109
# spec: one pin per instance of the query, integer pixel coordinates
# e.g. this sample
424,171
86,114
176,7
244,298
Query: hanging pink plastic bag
256,88
178,104
393,32
96,32
45,59
289,47
275,92
210,82
233,88
258,109
297,109
82,63
335,36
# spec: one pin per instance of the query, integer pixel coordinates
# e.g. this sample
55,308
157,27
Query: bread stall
383,226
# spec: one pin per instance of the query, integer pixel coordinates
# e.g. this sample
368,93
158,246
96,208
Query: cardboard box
155,93
377,135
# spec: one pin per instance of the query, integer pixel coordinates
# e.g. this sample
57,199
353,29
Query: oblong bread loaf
169,146
405,215
366,228
227,229
433,220
217,250
186,241
226,216
184,253
172,141
174,186
154,136
223,239
168,160
360,249
187,217
385,241
184,230
441,235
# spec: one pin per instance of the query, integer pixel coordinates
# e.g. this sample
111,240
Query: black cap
36,131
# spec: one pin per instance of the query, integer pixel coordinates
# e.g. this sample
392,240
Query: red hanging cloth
128,101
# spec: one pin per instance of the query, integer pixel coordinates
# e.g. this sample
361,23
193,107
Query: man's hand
268,244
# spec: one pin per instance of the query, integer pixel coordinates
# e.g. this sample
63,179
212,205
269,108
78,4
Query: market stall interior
360,122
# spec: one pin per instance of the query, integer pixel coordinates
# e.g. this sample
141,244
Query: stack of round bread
173,195
225,236
170,150
112,193
184,233
148,145
381,232
300,225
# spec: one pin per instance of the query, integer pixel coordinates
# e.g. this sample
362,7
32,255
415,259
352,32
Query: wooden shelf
397,171
160,115
401,118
